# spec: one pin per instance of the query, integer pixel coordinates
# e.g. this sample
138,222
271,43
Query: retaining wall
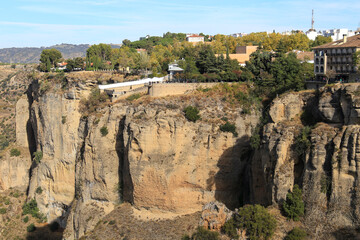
166,89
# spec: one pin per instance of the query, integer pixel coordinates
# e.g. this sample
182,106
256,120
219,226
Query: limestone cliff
147,153
150,155
328,172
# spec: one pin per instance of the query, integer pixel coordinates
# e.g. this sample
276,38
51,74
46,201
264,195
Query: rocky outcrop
214,215
14,170
327,171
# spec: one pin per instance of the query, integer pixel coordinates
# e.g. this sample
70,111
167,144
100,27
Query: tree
206,62
103,51
126,42
255,219
49,58
320,40
356,60
294,206
144,62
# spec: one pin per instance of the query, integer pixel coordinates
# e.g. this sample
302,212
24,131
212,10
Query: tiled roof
353,41
305,56
195,36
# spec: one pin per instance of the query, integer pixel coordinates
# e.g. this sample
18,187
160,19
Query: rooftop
353,41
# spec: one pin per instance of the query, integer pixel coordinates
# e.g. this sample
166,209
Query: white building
312,34
236,35
194,38
337,34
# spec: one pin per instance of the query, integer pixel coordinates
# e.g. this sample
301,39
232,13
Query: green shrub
186,237
302,141
63,119
133,97
104,131
31,228
294,206
255,139
229,228
258,223
32,209
203,234
38,190
96,100
112,222
325,183
15,152
26,219
229,127
3,210
192,113
296,234
37,156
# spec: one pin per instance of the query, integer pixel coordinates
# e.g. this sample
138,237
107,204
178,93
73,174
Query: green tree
356,60
207,62
126,42
294,206
50,55
320,40
48,65
103,51
144,62
296,234
255,219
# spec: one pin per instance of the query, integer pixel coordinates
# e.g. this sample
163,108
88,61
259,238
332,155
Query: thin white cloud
57,27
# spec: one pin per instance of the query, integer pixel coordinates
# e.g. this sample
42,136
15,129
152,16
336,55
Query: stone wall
165,89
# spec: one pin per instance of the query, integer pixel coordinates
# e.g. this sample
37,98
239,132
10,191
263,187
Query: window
322,69
317,61
317,69
321,61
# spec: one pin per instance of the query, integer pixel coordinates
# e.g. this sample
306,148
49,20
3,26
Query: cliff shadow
126,186
346,233
230,181
51,231
30,134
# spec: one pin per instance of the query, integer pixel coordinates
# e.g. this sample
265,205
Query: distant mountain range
32,55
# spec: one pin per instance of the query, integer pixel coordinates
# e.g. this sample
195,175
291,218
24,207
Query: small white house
195,38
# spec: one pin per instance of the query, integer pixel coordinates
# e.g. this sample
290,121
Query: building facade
335,60
337,34
195,38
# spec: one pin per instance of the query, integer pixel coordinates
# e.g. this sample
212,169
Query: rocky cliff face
151,155
155,159
328,172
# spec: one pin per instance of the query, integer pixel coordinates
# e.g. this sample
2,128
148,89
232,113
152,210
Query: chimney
344,38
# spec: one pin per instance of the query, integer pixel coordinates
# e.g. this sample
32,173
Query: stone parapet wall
165,89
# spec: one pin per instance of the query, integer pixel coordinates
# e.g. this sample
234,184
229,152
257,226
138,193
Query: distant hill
32,55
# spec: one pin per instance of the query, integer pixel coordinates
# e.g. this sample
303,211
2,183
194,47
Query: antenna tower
312,20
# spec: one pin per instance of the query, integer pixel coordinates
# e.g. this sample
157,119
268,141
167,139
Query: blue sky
35,23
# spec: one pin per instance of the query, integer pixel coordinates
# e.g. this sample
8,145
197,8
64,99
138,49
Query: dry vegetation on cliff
122,224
